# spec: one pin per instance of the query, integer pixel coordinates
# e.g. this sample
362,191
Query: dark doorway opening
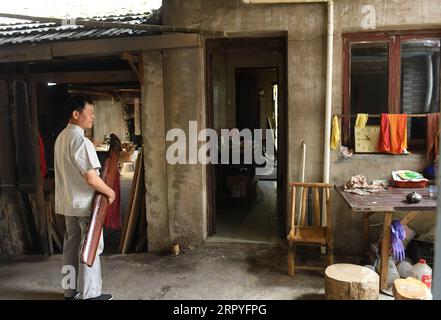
246,81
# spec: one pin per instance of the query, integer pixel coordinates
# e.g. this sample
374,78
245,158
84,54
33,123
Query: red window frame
394,40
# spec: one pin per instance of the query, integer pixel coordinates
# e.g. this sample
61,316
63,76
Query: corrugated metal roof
36,32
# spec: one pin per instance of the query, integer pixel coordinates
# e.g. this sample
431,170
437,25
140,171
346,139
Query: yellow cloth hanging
335,133
362,119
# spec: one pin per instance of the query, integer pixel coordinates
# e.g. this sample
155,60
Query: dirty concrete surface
218,272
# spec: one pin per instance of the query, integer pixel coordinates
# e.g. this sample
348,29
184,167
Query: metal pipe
302,179
429,89
328,110
114,25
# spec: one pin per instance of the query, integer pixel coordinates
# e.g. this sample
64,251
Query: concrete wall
108,119
13,238
173,95
306,26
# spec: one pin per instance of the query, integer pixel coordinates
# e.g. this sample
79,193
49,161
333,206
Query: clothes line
421,115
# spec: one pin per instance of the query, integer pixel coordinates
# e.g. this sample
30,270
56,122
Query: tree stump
409,289
351,282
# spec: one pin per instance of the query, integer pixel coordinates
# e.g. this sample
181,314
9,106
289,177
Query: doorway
245,77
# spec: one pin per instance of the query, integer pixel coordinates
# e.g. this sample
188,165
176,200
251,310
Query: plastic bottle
423,272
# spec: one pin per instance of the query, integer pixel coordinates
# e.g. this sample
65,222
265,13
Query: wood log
101,204
351,282
409,289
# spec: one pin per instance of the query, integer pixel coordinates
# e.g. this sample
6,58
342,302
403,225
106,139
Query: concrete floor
212,272
257,222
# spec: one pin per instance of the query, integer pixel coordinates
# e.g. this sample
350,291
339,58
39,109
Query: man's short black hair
77,103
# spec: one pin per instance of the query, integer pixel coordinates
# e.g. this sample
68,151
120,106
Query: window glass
369,84
420,86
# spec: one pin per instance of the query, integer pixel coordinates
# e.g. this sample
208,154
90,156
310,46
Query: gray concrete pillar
153,128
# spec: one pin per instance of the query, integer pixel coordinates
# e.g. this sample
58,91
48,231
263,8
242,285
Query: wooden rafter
135,62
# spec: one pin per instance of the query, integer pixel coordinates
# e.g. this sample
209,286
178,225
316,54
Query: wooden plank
311,184
310,268
117,45
98,47
291,258
409,217
76,77
385,248
304,205
132,215
316,219
130,204
25,53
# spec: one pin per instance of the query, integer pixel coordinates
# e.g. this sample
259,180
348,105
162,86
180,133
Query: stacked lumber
55,223
134,232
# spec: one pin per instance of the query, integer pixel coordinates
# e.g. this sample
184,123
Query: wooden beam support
117,45
135,62
26,53
76,77
99,47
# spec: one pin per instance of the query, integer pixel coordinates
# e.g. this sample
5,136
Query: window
391,72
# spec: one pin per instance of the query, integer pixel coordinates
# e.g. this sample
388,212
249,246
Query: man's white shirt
74,155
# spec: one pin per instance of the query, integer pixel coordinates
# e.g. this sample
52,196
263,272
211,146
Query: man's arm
99,185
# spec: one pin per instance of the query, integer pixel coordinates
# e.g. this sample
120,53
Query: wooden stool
351,282
410,289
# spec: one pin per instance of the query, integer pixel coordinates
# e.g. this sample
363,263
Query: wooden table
386,202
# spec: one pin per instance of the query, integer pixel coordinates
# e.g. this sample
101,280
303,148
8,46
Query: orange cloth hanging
398,133
384,138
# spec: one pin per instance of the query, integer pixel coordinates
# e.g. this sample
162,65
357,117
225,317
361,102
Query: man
76,181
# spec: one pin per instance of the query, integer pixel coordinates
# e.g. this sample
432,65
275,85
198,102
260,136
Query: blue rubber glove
397,235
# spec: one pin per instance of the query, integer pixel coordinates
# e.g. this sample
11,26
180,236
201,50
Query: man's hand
93,180
111,197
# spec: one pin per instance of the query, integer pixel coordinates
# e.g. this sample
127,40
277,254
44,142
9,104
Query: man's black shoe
74,297
104,296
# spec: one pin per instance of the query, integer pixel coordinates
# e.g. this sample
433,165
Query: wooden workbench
386,202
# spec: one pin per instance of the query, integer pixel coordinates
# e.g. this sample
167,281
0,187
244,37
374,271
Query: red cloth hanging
433,131
113,217
384,138
43,165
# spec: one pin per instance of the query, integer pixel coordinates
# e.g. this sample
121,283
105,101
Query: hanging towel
384,138
433,131
335,133
113,217
398,133
361,120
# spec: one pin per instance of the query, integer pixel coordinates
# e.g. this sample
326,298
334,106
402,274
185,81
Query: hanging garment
432,135
8,169
113,217
361,120
335,133
22,126
43,165
384,138
398,133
